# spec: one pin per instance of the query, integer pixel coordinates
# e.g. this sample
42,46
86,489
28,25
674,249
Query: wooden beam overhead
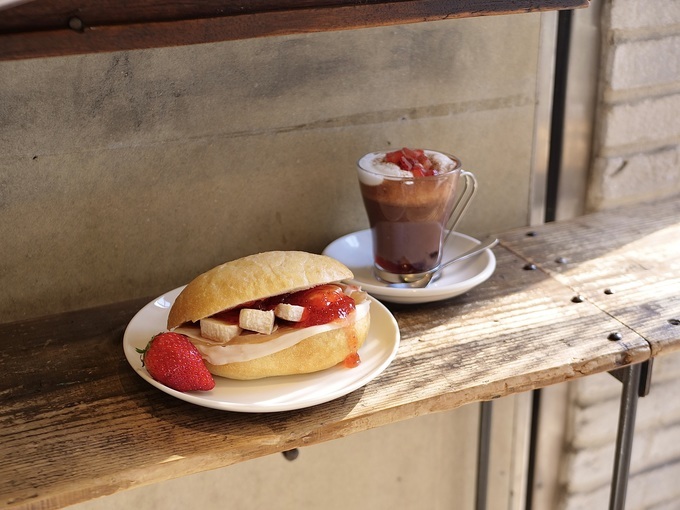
69,27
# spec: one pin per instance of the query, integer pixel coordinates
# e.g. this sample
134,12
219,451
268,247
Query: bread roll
260,276
252,278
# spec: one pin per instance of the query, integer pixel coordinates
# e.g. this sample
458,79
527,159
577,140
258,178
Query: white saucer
356,252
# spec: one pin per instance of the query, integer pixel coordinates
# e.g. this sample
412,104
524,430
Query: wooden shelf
77,422
68,27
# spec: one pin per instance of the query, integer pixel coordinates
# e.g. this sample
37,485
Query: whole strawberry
172,360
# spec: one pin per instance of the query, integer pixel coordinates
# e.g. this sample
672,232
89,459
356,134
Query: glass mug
411,216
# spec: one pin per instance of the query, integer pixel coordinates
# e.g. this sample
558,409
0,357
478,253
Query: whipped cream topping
253,346
374,163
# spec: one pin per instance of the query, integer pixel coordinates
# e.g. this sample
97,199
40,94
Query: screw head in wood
615,336
76,24
291,454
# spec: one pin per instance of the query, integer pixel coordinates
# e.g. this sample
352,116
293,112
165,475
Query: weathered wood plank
76,422
625,261
67,27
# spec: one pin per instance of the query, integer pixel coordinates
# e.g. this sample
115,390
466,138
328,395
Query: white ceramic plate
275,393
356,252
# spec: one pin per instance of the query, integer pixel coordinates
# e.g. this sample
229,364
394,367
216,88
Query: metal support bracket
645,376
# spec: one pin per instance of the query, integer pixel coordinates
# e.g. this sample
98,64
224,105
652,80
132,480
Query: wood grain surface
625,261
67,27
76,422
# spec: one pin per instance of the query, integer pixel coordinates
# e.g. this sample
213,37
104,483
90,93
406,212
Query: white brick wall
642,14
654,490
636,146
641,126
645,63
646,173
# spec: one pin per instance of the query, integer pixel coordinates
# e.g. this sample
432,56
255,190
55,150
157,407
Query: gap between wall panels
571,119
557,121
555,146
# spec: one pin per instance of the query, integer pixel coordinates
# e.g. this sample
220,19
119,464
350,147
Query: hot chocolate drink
409,197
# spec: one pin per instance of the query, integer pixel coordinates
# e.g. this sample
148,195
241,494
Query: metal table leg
483,454
636,381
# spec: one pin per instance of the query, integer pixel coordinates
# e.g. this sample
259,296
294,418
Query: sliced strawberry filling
322,304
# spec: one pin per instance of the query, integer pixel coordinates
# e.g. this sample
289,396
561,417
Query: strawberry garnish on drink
412,160
172,360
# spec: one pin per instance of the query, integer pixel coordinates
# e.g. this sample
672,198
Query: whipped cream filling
251,346
376,168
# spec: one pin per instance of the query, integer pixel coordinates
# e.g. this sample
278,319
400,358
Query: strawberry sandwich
273,313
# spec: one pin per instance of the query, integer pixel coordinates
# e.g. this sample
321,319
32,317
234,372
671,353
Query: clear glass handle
469,190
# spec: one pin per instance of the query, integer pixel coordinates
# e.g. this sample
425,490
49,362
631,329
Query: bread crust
313,354
251,278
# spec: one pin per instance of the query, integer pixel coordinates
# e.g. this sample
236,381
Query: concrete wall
126,174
